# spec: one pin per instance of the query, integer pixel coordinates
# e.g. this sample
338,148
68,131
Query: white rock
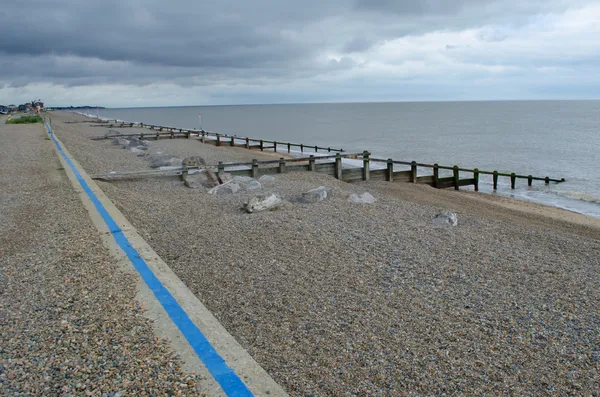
365,198
316,195
262,203
446,218
225,189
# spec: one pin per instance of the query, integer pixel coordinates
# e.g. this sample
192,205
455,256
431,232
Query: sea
559,139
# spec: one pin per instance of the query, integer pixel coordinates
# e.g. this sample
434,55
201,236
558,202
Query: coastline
337,297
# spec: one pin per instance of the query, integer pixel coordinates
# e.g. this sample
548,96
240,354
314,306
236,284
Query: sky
130,53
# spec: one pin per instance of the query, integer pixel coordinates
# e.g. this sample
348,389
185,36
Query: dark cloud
81,42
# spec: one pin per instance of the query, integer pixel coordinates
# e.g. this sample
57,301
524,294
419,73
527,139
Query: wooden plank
466,182
427,180
402,176
378,175
352,174
298,168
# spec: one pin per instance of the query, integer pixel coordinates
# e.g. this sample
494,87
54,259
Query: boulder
265,179
226,189
262,203
194,161
161,160
196,181
254,185
316,195
365,198
120,142
445,218
139,151
136,143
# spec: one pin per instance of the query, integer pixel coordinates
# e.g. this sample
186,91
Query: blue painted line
231,384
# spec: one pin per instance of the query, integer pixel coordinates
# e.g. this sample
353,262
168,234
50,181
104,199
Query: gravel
69,322
334,298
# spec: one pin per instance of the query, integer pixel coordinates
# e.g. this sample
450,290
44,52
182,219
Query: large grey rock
227,189
265,179
262,202
446,218
198,180
365,198
316,195
254,185
137,143
162,160
139,151
120,142
194,161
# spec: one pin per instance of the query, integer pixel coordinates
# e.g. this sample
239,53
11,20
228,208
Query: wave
589,198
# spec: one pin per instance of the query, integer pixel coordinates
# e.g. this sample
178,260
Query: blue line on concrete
231,384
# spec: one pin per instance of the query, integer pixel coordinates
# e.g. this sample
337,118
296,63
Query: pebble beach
336,298
69,321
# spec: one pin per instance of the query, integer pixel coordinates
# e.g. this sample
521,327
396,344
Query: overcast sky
196,52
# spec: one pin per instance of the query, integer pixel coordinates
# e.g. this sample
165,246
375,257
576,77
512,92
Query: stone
194,161
365,198
445,218
139,151
254,185
316,195
196,181
225,189
161,160
262,202
120,142
266,179
136,143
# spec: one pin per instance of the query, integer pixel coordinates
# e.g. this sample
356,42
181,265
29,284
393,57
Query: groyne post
275,146
203,136
281,165
456,176
366,161
311,163
289,147
232,141
529,180
413,171
301,148
262,145
495,180
247,143
338,166
547,180
476,179
254,168
390,170
218,139
513,180
436,175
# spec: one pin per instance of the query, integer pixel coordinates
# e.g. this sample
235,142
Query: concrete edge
239,360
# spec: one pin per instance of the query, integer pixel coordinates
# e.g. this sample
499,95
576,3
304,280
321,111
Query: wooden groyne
217,139
333,165
313,163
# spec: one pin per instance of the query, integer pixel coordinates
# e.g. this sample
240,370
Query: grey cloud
82,42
